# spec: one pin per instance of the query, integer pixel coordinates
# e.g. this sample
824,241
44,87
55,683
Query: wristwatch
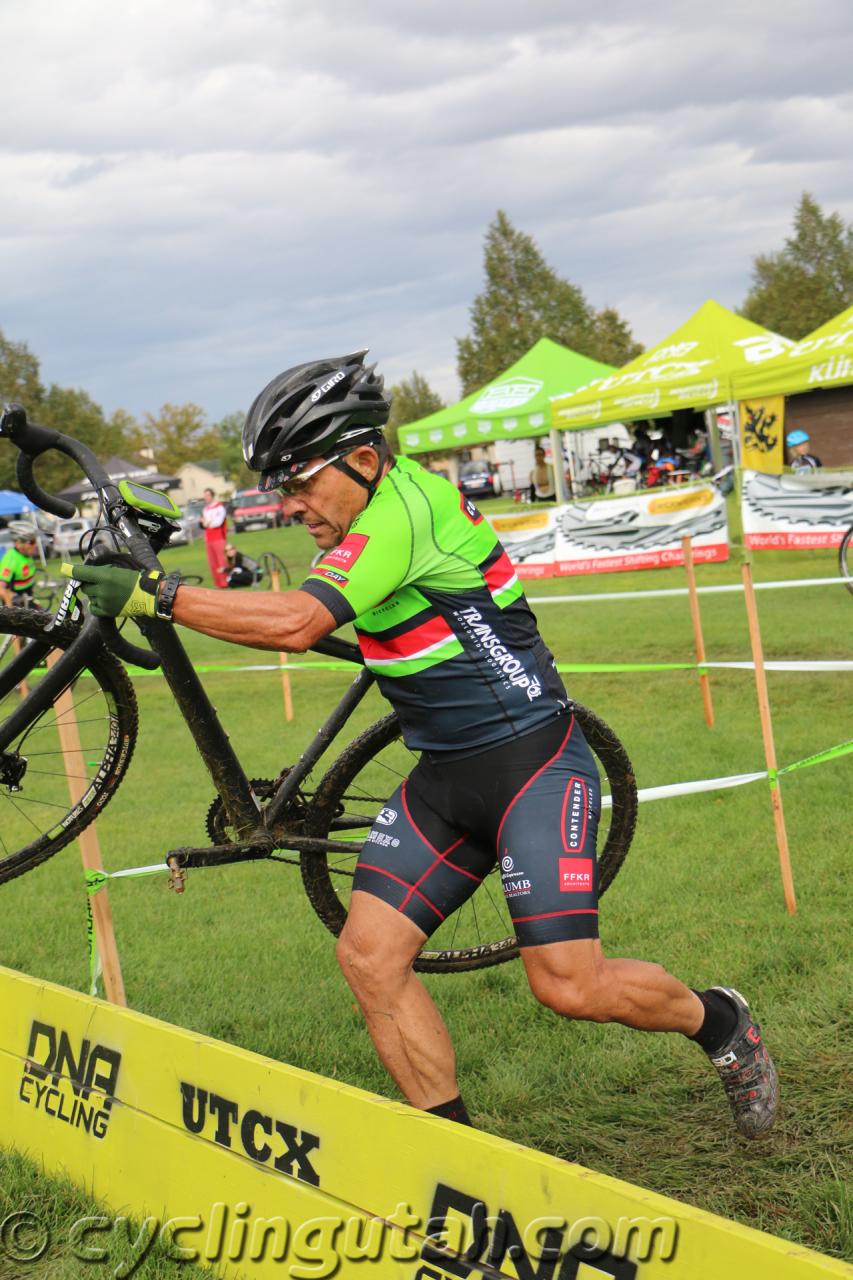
166,591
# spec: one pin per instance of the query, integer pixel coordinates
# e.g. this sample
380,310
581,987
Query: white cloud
196,195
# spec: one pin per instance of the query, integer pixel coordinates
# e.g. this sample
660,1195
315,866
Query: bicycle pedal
177,875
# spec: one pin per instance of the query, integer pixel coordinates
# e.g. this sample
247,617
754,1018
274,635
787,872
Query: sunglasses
298,484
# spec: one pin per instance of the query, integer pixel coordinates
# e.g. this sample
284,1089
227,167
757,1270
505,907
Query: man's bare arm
290,620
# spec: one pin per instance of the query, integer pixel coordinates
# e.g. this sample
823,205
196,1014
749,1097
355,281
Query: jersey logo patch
331,575
345,556
468,509
575,875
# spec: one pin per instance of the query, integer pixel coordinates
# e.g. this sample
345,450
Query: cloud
196,195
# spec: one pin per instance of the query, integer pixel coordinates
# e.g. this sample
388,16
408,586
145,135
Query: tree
810,280
179,433
413,398
230,452
525,300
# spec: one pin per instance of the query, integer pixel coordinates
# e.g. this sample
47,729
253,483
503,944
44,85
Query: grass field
241,956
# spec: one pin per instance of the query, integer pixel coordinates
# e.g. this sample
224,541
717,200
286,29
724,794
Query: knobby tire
109,694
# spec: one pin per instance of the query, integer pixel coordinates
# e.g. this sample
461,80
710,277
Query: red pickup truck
252,509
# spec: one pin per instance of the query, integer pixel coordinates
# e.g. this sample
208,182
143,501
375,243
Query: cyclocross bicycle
320,819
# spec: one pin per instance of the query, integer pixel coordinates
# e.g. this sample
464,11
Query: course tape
683,591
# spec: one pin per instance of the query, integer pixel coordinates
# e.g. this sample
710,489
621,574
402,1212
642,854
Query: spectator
240,570
214,519
802,462
541,478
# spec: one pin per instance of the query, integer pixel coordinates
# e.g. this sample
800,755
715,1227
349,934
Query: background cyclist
504,773
17,568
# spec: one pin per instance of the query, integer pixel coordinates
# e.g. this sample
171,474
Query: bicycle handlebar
32,441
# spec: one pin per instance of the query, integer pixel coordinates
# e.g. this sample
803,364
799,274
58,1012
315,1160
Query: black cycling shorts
533,803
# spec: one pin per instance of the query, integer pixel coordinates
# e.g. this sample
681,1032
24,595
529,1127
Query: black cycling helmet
314,410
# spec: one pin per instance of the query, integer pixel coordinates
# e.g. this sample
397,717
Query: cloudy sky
198,193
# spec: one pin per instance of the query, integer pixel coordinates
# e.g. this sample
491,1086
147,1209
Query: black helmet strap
383,452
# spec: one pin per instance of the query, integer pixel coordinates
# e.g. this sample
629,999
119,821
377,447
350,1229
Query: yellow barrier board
258,1169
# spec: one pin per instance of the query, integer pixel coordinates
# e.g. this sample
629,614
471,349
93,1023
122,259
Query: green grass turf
241,956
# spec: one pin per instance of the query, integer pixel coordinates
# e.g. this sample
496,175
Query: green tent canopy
693,368
516,405
823,359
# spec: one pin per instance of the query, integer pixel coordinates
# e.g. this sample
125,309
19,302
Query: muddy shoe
747,1072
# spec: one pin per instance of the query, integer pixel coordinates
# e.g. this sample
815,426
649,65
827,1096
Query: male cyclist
504,773
17,567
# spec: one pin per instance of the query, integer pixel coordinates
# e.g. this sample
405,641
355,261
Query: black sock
720,1021
452,1110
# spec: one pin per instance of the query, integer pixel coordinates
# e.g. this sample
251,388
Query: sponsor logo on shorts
515,884
383,840
345,556
576,814
576,875
387,817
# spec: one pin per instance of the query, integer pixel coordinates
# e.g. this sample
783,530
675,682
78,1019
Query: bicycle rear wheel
845,558
37,815
479,934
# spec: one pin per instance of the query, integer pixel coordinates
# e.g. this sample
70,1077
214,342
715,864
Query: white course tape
690,788
682,591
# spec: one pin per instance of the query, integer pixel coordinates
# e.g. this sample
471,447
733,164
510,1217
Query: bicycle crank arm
220,855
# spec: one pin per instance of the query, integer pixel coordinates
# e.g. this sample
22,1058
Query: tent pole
556,438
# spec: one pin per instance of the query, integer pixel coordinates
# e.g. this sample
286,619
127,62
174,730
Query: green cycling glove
117,593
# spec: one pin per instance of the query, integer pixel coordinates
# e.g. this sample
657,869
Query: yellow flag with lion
762,432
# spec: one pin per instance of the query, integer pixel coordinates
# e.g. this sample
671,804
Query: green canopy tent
694,368
821,360
515,405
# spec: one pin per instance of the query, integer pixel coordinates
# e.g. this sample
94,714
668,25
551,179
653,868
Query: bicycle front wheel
845,558
480,933
38,817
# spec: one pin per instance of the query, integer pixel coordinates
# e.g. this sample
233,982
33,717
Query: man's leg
376,951
576,980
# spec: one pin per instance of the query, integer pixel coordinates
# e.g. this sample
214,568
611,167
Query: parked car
480,479
67,535
255,510
189,528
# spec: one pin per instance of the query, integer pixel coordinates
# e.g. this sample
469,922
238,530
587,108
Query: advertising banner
257,1169
796,512
639,531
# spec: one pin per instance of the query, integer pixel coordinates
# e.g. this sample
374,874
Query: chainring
216,820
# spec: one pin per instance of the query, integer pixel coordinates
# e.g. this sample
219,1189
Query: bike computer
145,499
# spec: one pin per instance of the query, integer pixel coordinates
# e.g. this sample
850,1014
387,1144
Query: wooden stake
696,617
769,745
275,580
90,849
